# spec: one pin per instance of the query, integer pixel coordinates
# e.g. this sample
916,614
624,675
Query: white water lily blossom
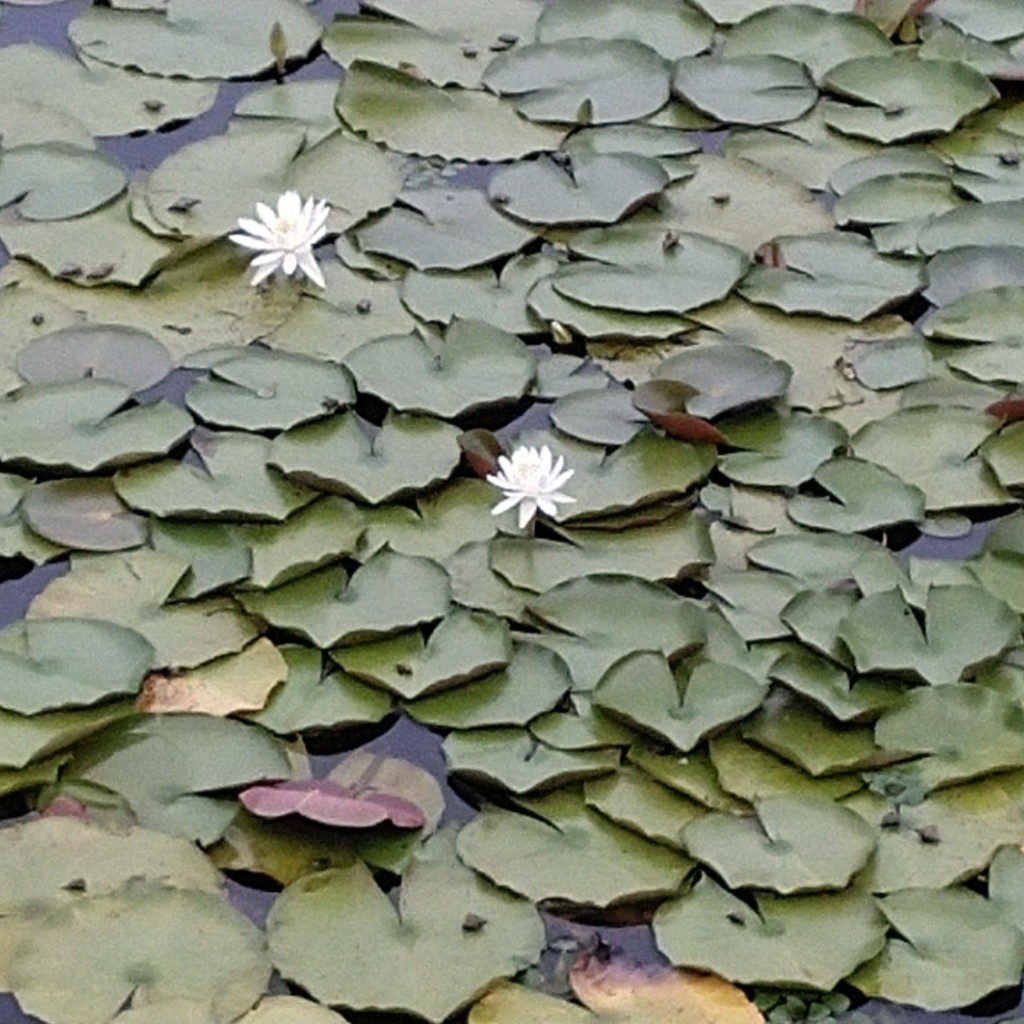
285,237
532,480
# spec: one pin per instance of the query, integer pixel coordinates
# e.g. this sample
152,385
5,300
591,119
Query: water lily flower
532,480
285,237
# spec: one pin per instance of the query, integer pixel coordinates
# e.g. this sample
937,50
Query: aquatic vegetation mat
473,479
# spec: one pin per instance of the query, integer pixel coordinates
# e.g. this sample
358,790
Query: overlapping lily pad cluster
754,271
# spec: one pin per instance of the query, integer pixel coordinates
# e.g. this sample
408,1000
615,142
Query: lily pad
515,760
562,850
863,497
85,514
962,731
903,98
464,646
597,81
130,357
144,942
97,429
232,480
923,962
795,844
803,941
589,188
164,764
191,39
387,594
413,116
442,229
55,180
131,589
329,803
57,663
747,89
259,391
643,690
837,275
408,454
350,919
476,365
674,31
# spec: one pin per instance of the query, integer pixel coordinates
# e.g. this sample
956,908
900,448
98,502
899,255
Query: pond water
800,278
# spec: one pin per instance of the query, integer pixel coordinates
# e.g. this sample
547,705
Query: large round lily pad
338,935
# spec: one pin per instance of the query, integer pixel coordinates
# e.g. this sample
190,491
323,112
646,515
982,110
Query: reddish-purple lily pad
331,804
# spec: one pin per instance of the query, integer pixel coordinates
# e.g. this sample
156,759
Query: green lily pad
231,481
215,553
924,962
962,731
804,941
389,593
863,497
533,683
322,532
947,838
955,273
600,415
105,99
935,449
476,365
795,844
747,89
94,431
130,357
643,690
562,850
413,116
48,664
479,294
191,39
464,646
163,764
589,188
903,98
131,589
55,180
144,942
789,727
410,453
258,391
674,31
624,613
839,275
819,39
442,229
568,80
666,551
726,377
633,799
636,274
350,919
308,700
962,628
224,176
15,536
892,363
515,760
85,514
750,772
781,451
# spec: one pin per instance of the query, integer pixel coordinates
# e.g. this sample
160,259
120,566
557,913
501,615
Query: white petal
500,480
289,263
262,274
506,467
527,510
252,243
310,267
545,460
547,506
563,499
289,206
558,482
267,215
510,501
255,228
272,258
